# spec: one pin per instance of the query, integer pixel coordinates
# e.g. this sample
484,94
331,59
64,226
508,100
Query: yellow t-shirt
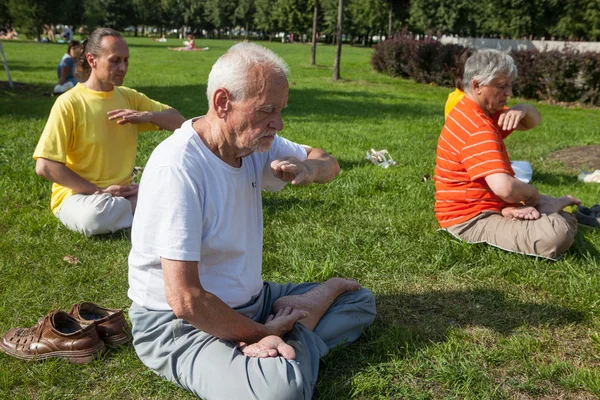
453,99
79,134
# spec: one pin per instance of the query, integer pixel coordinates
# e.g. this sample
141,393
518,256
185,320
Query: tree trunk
246,35
313,49
136,30
338,36
390,21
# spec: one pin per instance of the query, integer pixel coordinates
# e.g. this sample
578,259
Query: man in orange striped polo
478,198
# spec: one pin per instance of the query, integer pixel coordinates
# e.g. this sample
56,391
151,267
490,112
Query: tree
263,19
30,15
338,35
313,48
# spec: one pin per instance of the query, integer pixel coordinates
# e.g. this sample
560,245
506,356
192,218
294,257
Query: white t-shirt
192,206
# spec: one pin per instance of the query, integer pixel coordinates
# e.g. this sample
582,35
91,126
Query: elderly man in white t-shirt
202,316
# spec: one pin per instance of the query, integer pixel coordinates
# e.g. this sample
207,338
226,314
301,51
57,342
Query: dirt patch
578,158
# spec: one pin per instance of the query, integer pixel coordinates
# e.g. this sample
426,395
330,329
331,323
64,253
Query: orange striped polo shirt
470,147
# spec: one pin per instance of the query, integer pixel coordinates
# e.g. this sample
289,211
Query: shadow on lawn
554,179
408,322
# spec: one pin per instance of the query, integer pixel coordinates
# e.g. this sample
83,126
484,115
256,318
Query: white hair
486,65
231,71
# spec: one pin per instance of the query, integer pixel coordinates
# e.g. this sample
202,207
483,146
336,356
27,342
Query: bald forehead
262,78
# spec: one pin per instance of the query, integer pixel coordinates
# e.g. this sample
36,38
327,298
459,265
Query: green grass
455,321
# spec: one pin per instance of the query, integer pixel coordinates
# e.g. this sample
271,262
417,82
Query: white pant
95,214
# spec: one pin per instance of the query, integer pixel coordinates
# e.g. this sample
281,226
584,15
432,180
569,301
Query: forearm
169,119
520,192
324,166
61,174
210,314
512,190
532,117
64,73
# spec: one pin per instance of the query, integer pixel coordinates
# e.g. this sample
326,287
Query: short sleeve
281,148
141,102
57,134
168,217
483,154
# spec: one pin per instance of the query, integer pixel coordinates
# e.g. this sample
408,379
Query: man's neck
215,138
94,84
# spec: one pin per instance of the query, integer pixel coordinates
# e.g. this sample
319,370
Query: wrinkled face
110,66
257,119
493,97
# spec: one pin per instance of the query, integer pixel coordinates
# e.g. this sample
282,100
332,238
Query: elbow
41,168
182,305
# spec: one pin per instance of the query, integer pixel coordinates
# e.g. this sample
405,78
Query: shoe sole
74,356
116,340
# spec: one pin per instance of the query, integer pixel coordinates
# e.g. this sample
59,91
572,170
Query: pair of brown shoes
79,336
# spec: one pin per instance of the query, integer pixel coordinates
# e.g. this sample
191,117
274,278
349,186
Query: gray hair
486,65
231,71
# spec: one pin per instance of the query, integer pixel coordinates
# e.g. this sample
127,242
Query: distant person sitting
67,33
48,34
66,68
190,45
88,146
459,92
478,198
10,33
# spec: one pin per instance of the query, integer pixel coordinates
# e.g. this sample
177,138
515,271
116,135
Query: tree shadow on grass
409,322
554,178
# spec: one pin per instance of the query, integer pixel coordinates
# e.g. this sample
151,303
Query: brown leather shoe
55,335
110,322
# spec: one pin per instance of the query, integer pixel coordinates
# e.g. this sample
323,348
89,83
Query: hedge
556,76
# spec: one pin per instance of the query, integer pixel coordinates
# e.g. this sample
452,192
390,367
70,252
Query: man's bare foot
269,346
549,205
316,301
520,213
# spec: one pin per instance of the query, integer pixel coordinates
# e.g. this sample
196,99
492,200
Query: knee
103,216
365,299
559,237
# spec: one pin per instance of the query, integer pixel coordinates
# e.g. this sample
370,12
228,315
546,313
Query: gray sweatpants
215,369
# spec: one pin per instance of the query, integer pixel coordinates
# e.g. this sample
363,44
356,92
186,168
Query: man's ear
221,102
90,59
475,87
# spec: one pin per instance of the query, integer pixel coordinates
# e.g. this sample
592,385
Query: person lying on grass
88,146
190,45
202,316
478,198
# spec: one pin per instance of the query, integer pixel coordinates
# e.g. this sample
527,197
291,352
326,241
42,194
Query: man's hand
510,119
269,346
129,116
290,169
283,322
120,191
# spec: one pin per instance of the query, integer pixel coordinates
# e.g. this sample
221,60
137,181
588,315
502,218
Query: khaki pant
549,236
95,214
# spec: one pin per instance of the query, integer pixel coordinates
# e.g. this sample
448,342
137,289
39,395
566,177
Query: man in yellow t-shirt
88,146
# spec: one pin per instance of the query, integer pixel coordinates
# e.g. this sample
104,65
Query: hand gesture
120,191
129,116
290,169
509,119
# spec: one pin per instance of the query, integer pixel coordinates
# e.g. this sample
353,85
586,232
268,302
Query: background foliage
574,19
560,76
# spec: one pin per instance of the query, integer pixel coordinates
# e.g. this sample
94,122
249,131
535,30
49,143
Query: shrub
563,76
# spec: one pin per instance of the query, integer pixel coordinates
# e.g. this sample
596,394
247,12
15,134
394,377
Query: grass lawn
455,321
